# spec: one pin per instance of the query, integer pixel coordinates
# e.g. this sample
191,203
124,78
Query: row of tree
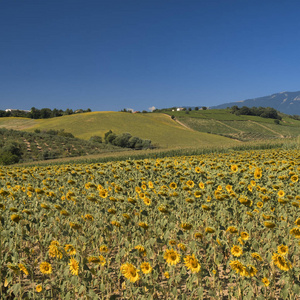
44,113
264,112
124,140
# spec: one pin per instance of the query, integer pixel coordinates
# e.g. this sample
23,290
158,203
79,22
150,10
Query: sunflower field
214,226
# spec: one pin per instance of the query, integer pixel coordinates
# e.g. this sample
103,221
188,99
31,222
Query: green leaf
16,288
284,292
296,288
81,289
68,296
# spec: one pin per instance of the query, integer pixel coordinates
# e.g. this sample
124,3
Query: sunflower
234,168
236,251
232,229
190,183
131,200
54,250
280,262
206,207
115,223
296,232
58,207
201,185
238,267
181,246
294,178
172,242
190,200
64,212
14,268
283,250
75,226
147,201
150,185
70,249
130,272
267,217
228,188
140,249
45,268
265,281
167,275
259,204
126,216
23,269
100,260
143,225
39,288
146,268
269,224
192,263
258,173
197,194
173,185
74,266
171,257
244,200
15,218
244,235
186,226
112,211
281,193
103,193
250,271
209,230
256,256
197,170
103,248
297,222
89,217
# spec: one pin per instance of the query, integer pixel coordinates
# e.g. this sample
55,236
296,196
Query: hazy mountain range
285,102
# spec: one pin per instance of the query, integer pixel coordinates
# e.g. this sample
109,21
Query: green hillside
159,128
243,128
20,146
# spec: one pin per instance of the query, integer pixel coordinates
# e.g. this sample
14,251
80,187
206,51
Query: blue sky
114,54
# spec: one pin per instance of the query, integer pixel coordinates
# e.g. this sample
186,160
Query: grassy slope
157,127
221,121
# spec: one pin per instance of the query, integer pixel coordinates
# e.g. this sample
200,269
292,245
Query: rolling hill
243,128
164,132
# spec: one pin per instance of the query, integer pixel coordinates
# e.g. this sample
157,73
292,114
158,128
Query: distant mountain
285,102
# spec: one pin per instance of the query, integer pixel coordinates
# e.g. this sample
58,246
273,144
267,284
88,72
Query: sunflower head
171,257
236,251
130,272
45,268
265,281
146,268
192,263
283,250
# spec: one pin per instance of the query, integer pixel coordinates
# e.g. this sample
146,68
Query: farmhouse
11,109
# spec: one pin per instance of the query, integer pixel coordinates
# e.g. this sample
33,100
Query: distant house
11,109
180,109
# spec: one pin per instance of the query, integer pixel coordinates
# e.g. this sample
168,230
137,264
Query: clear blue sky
115,54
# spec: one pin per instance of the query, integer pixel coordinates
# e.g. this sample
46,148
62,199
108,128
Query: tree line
44,113
264,112
124,140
